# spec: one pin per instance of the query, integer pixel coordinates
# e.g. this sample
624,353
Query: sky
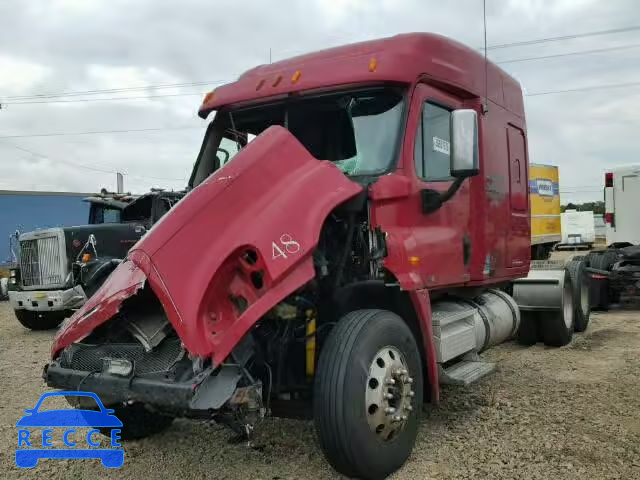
62,46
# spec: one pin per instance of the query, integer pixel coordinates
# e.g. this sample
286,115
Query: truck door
518,245
443,242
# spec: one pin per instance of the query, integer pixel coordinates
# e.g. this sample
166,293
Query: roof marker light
208,97
260,84
277,81
296,76
373,64
608,179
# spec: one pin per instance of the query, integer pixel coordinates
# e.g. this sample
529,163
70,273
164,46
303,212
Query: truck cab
365,246
59,268
107,208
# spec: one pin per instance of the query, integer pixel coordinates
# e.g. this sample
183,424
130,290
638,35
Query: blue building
28,211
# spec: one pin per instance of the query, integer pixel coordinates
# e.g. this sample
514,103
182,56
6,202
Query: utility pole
119,183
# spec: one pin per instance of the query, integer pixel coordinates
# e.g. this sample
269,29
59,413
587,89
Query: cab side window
227,150
433,144
111,215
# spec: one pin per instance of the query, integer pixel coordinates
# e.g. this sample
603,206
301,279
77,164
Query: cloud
18,75
71,45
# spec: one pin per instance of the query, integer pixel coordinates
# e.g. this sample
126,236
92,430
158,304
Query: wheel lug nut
412,393
389,410
388,396
390,381
408,408
408,380
397,418
404,418
403,371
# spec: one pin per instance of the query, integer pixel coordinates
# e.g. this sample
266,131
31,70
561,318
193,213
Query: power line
550,92
97,132
160,129
44,157
112,90
582,52
108,99
93,92
584,89
563,37
86,167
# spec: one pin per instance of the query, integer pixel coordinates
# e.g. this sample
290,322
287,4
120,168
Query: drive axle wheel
581,295
368,394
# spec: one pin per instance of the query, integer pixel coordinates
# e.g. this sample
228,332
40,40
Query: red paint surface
402,58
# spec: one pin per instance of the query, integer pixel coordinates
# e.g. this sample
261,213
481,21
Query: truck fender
97,273
422,306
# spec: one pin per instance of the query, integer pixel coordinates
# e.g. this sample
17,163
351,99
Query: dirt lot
570,413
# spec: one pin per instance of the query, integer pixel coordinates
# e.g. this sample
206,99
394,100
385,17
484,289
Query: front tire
368,394
41,320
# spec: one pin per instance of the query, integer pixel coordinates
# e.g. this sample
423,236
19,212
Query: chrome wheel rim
389,394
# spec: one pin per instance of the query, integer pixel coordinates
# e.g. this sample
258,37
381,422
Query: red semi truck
363,248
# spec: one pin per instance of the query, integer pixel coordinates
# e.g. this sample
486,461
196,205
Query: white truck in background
622,204
615,271
578,229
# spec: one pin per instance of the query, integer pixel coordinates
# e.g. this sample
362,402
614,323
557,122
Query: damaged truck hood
232,249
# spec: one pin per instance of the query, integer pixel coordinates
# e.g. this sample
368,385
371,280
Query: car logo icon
100,420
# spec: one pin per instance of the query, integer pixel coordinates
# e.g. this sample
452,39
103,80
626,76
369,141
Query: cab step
465,372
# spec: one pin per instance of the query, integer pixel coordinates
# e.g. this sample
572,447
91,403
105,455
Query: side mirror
464,143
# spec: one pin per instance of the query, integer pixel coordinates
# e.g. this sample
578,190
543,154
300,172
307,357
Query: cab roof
110,202
398,59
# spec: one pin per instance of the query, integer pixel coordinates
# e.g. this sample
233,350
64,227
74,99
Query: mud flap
216,390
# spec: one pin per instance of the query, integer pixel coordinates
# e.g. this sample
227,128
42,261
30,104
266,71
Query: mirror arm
432,200
451,191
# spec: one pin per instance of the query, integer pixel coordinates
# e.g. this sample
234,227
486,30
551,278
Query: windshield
357,130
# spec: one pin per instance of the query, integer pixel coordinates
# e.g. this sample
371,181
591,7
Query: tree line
595,207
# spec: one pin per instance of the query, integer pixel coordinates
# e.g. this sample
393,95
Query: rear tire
41,320
528,330
557,326
581,294
604,260
138,422
343,410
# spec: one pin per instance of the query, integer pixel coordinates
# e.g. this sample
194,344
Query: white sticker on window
441,145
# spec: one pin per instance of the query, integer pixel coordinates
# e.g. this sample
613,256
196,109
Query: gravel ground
546,413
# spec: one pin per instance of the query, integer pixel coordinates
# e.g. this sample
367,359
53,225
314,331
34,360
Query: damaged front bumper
122,374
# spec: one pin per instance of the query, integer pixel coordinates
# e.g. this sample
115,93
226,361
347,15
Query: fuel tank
234,247
463,325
